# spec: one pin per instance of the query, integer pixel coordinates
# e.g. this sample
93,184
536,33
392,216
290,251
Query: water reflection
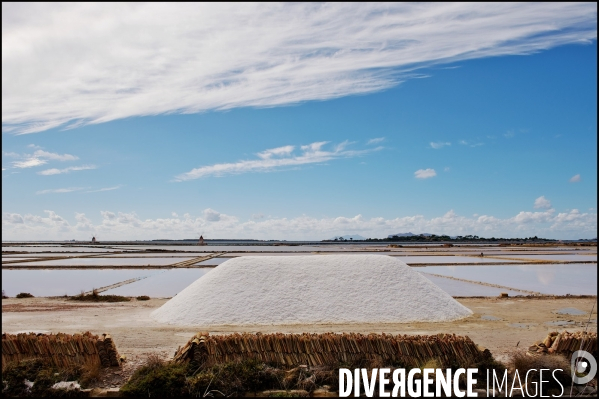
143,261
575,279
167,283
64,282
571,311
463,288
490,318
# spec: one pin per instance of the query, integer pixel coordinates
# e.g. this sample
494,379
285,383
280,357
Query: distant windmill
201,240
94,240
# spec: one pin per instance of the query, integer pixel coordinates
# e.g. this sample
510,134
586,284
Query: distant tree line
441,238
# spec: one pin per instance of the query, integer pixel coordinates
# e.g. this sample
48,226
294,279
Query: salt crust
316,289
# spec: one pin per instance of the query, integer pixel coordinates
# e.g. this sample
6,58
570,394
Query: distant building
93,240
201,241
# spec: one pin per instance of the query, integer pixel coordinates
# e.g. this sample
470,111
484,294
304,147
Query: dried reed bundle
329,349
61,349
566,343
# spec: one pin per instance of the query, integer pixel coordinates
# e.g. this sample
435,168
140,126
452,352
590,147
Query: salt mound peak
315,289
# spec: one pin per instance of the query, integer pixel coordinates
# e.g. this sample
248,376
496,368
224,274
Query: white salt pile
318,289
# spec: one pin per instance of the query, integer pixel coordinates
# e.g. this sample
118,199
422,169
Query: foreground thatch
566,343
60,349
329,348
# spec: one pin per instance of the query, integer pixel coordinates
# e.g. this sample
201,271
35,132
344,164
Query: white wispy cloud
59,190
575,179
277,158
54,171
246,54
28,163
54,156
572,224
425,173
376,140
440,144
276,152
470,144
105,189
542,203
39,157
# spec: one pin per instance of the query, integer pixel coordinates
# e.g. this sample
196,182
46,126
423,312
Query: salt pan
317,289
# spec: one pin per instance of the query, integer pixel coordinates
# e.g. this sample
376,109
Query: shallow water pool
64,282
450,259
143,261
166,283
212,262
59,249
462,288
575,279
556,257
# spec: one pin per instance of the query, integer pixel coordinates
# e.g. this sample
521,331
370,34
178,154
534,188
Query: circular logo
582,363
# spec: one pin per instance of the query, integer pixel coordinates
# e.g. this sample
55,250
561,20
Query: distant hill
356,237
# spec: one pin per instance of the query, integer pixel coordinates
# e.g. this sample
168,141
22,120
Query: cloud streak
469,144
105,189
54,171
59,190
276,158
438,145
376,140
28,163
53,156
194,57
38,158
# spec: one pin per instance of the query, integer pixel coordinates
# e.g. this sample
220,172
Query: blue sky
486,124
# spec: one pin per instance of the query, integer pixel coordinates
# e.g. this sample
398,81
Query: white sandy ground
317,289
